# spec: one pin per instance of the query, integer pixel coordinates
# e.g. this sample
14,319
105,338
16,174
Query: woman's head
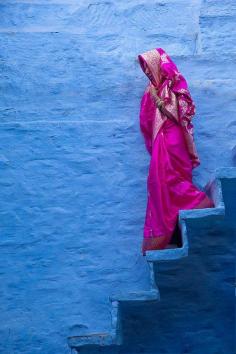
150,64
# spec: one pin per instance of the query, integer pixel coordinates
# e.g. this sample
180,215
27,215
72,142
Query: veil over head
172,88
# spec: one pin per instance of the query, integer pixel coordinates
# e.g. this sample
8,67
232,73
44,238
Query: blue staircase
223,183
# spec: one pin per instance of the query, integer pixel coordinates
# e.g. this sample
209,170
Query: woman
165,121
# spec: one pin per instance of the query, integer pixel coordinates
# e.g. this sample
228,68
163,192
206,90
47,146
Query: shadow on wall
234,155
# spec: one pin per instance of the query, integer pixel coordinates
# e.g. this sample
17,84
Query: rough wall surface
73,162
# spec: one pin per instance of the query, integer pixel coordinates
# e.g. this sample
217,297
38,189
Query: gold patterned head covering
151,60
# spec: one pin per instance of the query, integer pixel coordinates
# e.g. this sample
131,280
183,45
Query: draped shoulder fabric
169,139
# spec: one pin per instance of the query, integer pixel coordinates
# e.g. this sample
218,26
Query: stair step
149,295
166,254
92,339
201,213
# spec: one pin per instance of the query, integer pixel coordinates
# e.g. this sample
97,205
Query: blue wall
73,162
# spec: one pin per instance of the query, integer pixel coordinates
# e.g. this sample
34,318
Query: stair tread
93,339
136,295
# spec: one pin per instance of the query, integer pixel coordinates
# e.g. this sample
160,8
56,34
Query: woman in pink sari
165,121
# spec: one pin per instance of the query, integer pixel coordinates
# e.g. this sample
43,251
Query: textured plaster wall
72,159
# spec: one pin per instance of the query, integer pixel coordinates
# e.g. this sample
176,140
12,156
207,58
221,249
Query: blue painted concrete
72,159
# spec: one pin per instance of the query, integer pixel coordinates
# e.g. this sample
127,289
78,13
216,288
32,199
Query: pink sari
170,142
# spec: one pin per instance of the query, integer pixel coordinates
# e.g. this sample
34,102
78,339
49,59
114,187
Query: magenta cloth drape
171,146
